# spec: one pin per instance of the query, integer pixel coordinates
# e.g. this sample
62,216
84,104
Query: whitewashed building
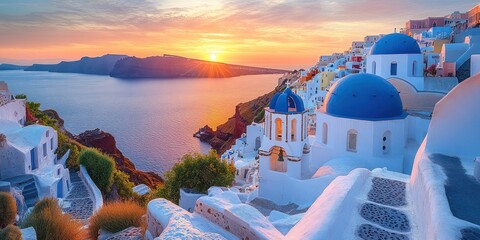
27,154
397,55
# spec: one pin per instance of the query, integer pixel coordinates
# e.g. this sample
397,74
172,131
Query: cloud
243,30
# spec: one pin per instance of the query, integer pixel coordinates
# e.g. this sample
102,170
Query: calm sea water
152,120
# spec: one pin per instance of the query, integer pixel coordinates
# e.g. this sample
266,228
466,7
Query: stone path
79,201
383,211
131,233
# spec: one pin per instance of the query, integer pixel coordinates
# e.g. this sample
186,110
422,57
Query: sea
152,120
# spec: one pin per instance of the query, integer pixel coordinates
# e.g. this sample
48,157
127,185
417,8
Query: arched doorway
278,159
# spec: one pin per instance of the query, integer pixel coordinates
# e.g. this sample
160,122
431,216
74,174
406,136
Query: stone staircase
26,183
384,212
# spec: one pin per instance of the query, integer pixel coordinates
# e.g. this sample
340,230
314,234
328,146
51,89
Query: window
393,69
386,142
278,127
48,133
45,149
352,140
294,130
58,172
374,67
414,68
325,133
51,143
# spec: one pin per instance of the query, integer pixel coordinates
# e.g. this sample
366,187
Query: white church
28,160
388,160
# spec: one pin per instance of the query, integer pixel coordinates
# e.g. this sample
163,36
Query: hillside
97,65
11,67
169,66
245,113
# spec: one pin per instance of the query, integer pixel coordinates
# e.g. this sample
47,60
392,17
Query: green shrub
11,232
197,172
123,184
72,160
50,223
21,96
8,209
100,167
115,217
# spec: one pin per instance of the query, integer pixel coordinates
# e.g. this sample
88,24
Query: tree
197,172
8,209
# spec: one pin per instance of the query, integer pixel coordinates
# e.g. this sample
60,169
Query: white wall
14,111
369,142
454,129
12,161
404,67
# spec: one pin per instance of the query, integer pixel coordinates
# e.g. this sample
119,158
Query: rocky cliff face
106,143
245,113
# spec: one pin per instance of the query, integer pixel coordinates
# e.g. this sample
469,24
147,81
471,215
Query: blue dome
395,43
364,96
287,102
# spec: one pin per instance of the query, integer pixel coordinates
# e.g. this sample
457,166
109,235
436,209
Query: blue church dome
395,43
287,102
364,96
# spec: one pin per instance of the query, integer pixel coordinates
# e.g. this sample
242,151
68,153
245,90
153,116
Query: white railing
97,195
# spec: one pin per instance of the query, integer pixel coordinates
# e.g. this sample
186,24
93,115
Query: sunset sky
273,33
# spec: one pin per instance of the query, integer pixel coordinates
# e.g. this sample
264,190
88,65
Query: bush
21,96
45,203
11,232
100,167
115,217
197,172
8,209
72,160
123,184
50,223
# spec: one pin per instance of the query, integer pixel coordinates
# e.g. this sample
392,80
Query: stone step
31,202
30,195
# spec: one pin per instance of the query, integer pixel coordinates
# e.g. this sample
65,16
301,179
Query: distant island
166,66
97,65
11,67
170,66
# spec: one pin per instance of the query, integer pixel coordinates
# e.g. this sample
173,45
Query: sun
213,57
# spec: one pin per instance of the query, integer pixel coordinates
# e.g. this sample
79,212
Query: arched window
374,67
352,140
325,133
414,68
294,130
393,69
386,142
278,127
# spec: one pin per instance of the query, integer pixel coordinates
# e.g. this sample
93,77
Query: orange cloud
254,32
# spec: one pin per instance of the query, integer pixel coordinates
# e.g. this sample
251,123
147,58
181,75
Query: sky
276,33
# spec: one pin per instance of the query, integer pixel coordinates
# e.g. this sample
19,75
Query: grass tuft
115,217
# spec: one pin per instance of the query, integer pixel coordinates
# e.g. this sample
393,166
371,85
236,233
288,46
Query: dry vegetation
116,216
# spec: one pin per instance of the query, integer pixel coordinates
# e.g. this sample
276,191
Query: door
60,188
33,157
